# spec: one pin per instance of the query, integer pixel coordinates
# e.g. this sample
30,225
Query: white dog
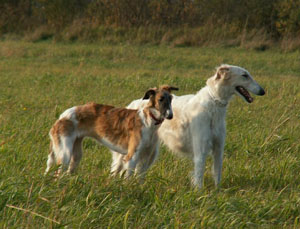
198,127
130,132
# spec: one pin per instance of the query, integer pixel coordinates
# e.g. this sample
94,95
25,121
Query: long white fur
198,127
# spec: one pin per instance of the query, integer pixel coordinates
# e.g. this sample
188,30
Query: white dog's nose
261,91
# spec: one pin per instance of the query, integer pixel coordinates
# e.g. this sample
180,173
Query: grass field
260,184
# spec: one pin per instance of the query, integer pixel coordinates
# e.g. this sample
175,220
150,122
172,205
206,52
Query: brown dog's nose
170,116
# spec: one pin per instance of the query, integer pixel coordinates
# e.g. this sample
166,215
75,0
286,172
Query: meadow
260,184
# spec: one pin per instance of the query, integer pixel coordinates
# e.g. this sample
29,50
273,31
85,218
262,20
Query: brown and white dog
129,132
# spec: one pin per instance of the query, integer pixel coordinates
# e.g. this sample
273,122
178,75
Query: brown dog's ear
169,88
222,72
149,93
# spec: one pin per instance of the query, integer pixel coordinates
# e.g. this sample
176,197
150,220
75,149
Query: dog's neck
216,99
220,97
152,117
157,121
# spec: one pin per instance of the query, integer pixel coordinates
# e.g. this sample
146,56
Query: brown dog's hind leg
76,155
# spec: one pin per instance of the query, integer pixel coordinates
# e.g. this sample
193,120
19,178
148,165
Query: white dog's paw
196,182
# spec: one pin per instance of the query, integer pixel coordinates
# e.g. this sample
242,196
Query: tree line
278,18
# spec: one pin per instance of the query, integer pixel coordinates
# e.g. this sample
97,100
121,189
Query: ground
38,81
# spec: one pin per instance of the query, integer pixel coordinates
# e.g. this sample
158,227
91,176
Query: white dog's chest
217,122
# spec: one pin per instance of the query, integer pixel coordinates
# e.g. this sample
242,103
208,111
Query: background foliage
183,22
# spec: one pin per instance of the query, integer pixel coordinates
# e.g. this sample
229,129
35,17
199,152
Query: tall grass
38,81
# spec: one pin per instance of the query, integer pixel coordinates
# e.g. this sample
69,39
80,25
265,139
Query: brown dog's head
160,101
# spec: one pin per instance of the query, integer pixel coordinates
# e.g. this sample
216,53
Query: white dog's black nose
261,92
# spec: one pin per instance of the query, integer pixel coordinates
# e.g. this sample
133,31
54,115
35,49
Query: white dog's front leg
218,151
201,148
199,168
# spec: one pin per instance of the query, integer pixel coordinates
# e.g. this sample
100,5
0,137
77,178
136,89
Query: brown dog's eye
161,99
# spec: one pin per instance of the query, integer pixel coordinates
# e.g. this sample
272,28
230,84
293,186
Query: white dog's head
230,80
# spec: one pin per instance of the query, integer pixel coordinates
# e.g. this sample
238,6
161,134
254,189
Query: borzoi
129,132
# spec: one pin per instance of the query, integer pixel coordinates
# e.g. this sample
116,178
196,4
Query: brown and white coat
129,132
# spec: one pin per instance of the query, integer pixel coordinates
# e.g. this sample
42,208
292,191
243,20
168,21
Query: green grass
260,183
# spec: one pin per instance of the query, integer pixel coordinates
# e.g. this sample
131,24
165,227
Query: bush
288,17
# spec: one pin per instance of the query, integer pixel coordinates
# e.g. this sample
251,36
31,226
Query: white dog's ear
149,93
222,72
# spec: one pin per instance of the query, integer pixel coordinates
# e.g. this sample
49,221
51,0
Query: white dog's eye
245,75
